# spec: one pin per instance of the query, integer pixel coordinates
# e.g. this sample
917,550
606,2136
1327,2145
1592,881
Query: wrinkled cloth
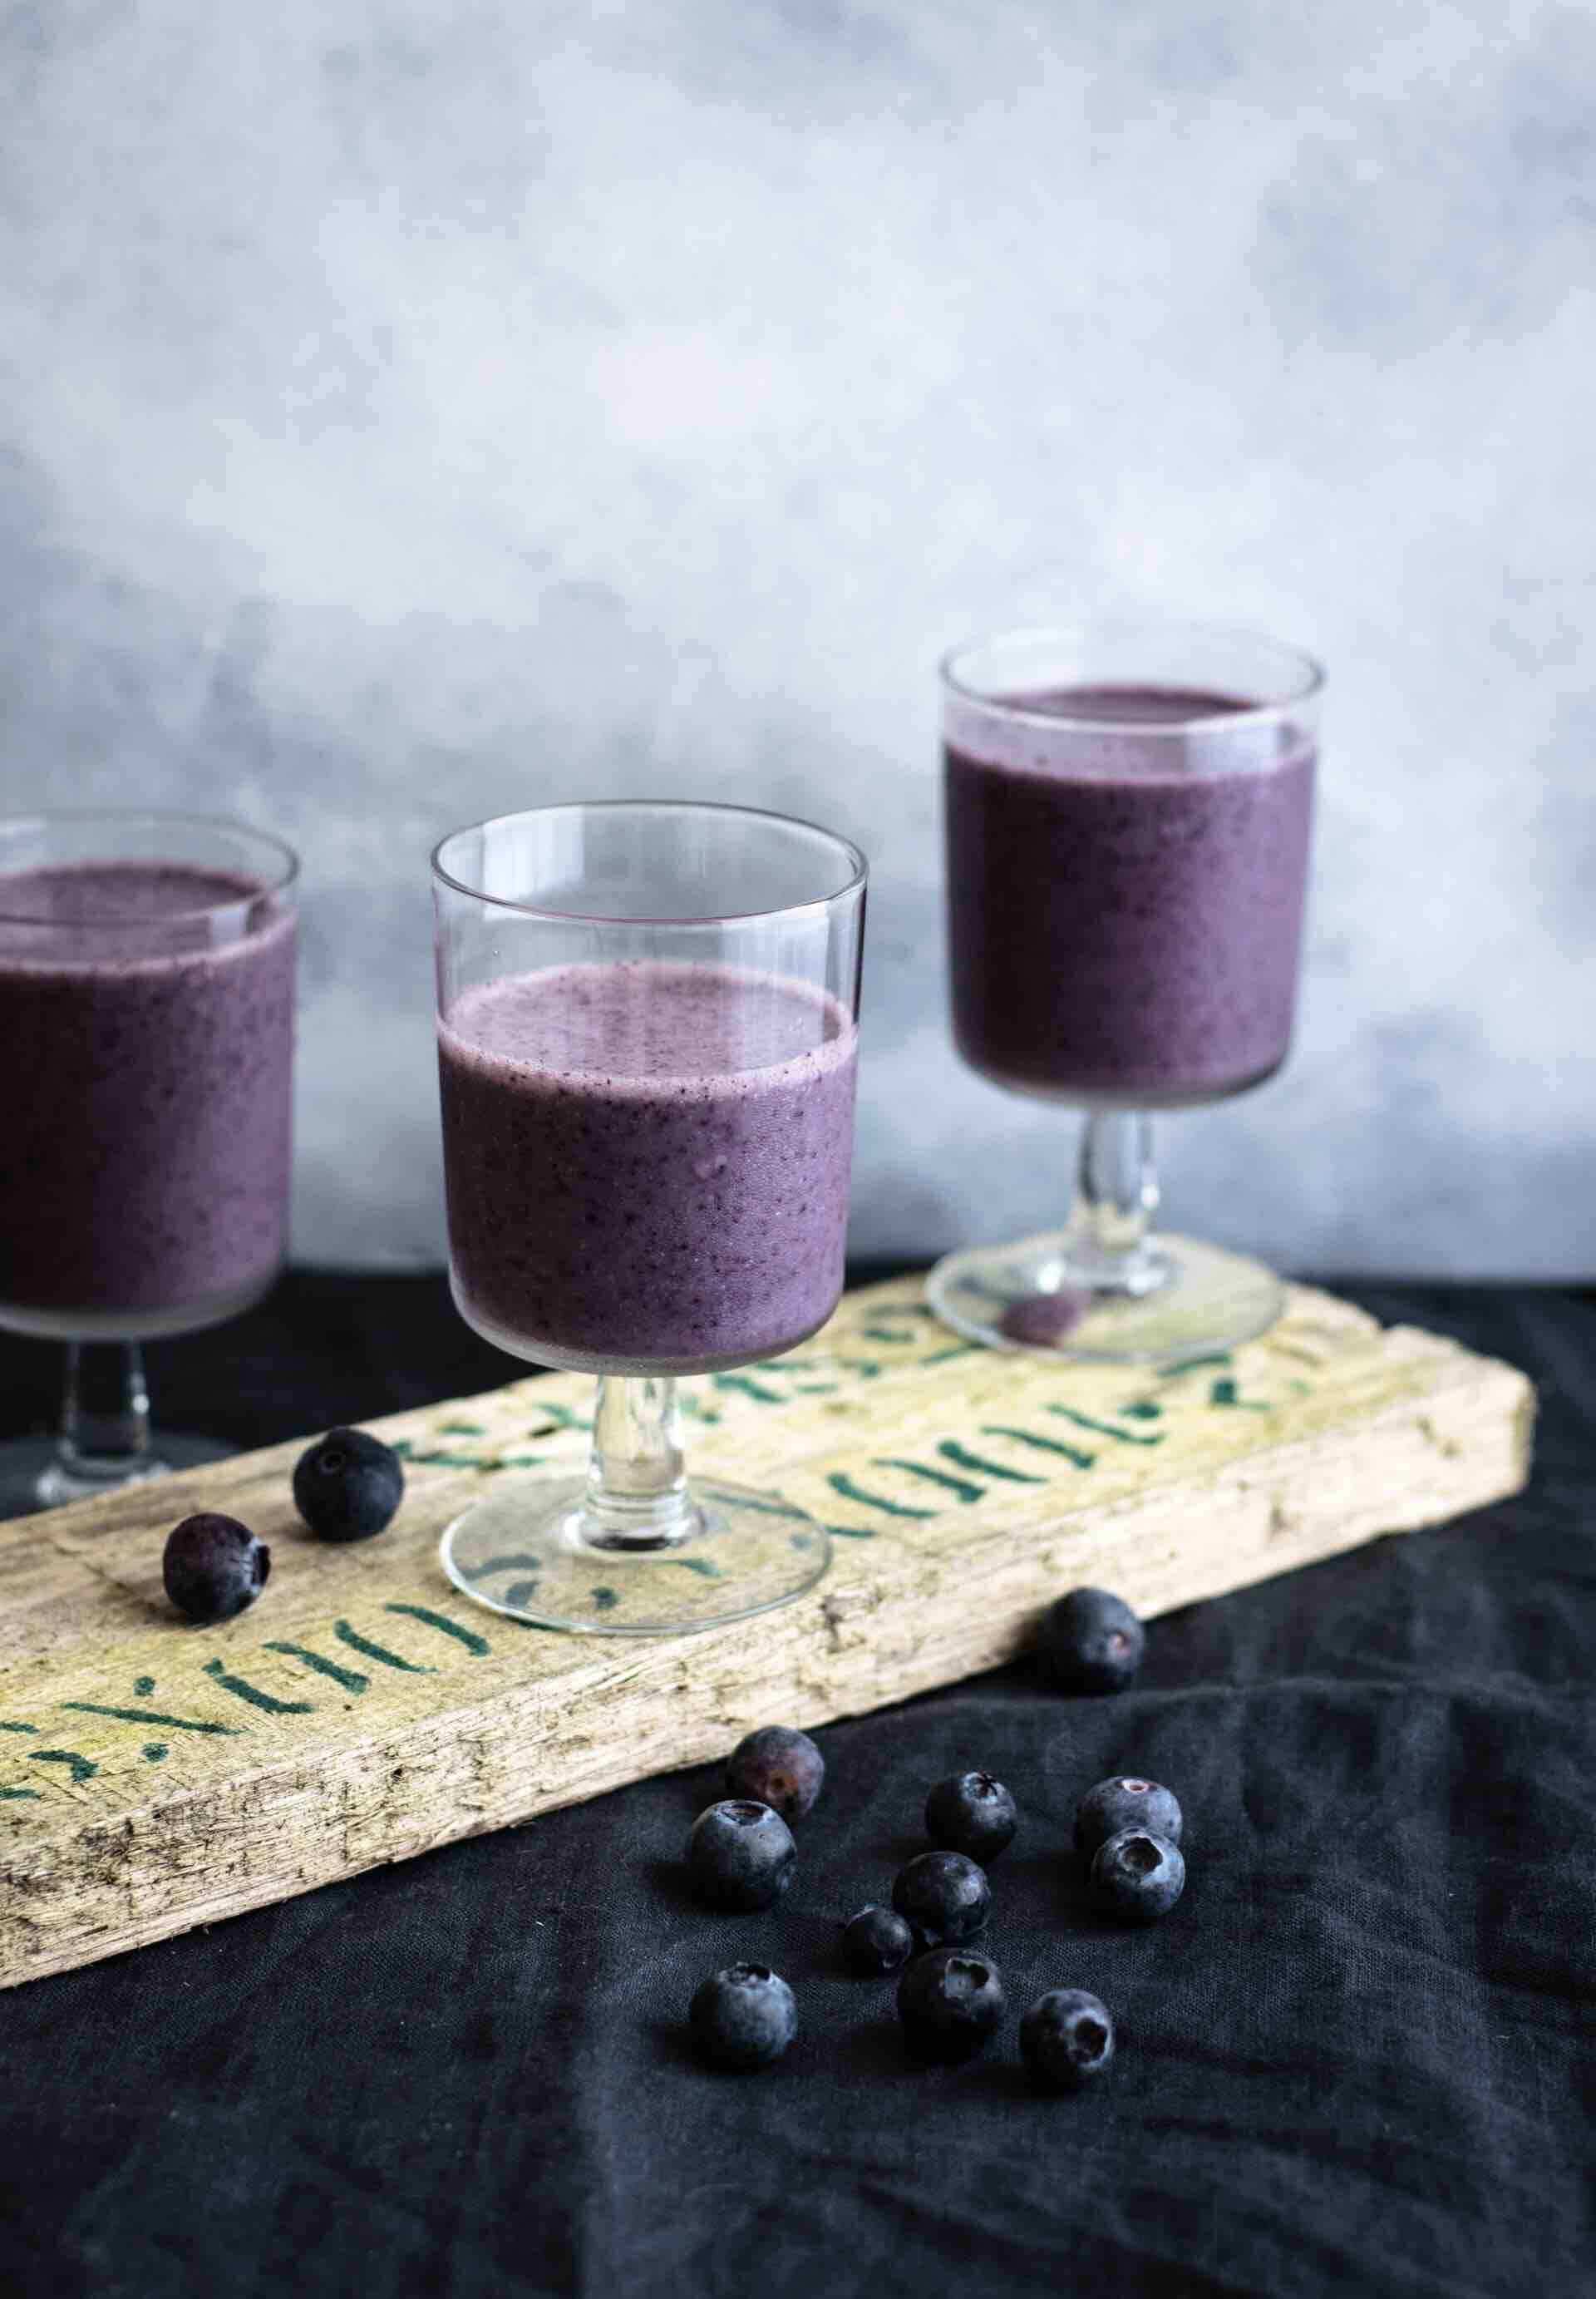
1359,2056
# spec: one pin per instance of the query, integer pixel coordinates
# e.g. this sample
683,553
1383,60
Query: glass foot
32,1475
522,1551
1192,1298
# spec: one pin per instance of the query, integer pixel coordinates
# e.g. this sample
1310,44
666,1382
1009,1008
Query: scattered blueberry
973,1814
213,1567
950,2004
777,1766
1120,1802
943,1897
1092,1641
1039,1321
1136,1877
740,1855
1066,2038
877,1940
744,2017
348,1485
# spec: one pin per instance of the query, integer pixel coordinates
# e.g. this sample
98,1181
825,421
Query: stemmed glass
1128,814
146,1019
646,1050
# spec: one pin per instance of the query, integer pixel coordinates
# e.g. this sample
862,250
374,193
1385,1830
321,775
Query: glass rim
45,818
857,865
1311,670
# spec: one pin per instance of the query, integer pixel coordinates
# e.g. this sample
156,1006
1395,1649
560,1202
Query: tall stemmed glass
647,1050
1127,811
146,1020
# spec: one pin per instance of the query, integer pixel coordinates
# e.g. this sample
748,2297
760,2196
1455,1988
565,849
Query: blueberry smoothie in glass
1126,919
147,1013
1128,807
648,1162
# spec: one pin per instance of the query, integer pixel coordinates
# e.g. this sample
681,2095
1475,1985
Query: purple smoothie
144,1160
1127,915
647,1164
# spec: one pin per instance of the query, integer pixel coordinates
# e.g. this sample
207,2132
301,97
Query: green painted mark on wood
963,1458
1082,1459
698,1564
605,1600
521,1592
442,1459
19,1728
960,1487
1141,1408
749,1387
817,1388
1224,1392
241,1688
1104,1428
82,1768
351,1636
461,1429
155,1752
17,1796
800,1541
444,1624
562,1417
149,1716
866,1368
143,1686
350,1679
1196,1365
513,1560
766,1509
403,1445
958,1349
885,1333
841,1483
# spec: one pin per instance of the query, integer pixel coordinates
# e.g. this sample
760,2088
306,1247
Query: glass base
1185,1300
33,1476
523,1551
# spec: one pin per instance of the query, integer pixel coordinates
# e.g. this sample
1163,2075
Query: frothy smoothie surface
647,1164
1126,907
146,1014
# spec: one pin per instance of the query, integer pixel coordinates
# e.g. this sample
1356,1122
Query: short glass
1128,809
146,1024
647,1043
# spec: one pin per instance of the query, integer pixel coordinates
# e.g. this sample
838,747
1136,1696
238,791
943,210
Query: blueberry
950,2002
349,1485
1120,1802
1136,1877
942,1896
740,1855
973,1814
1066,2038
876,1940
1092,1641
744,2017
777,1766
213,1567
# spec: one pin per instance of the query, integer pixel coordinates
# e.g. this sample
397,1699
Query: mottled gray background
414,411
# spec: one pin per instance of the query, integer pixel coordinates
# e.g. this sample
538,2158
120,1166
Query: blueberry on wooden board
950,2004
1066,2038
740,1855
744,2017
1125,1802
348,1485
1136,1877
213,1567
972,1814
1092,1641
942,1897
778,1766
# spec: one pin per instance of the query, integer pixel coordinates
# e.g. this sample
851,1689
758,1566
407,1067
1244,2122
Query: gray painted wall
416,410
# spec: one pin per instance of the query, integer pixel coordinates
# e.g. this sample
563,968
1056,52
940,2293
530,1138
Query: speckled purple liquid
647,1164
1126,917
145,1153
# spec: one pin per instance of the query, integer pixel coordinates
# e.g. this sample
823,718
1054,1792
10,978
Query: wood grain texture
154,1776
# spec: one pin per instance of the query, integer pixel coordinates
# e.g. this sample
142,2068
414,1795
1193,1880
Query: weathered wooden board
154,1776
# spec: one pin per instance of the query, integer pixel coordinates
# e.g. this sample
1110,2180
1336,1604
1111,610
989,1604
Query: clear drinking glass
1127,812
146,1026
646,1049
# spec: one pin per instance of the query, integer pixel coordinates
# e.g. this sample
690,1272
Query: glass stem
1116,1200
105,1414
637,1495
